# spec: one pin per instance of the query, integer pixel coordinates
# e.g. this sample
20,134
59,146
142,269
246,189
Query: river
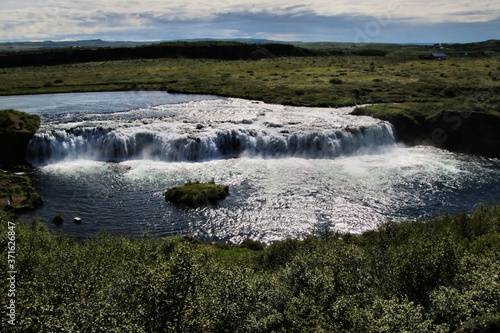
108,158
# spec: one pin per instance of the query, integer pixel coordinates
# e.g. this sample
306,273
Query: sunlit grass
299,81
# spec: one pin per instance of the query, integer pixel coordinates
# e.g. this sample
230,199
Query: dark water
109,157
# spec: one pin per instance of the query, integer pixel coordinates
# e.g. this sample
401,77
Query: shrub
434,276
279,253
252,245
450,91
483,324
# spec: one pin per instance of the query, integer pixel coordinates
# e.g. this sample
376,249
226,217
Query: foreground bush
436,276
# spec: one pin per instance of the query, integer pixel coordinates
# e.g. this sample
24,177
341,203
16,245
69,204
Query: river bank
455,129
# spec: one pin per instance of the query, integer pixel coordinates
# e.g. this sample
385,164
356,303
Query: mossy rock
193,195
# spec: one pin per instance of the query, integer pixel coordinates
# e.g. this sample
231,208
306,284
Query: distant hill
238,40
97,50
56,53
97,43
93,43
490,44
222,50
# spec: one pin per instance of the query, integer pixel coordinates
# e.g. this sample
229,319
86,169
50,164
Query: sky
368,21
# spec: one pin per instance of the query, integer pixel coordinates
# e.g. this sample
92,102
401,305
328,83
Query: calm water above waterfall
108,158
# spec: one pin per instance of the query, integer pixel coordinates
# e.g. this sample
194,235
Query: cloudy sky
424,21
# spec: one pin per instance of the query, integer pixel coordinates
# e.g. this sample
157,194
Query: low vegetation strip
421,276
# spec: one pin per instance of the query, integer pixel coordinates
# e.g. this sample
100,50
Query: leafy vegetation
421,276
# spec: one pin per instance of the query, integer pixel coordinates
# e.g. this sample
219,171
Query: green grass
12,121
297,81
420,276
429,110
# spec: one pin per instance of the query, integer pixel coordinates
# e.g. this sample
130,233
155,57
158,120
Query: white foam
212,129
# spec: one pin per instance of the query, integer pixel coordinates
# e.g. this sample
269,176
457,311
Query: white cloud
445,11
43,19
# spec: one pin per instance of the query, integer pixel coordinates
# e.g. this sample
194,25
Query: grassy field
311,81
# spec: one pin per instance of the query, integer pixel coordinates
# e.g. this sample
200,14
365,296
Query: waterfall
171,145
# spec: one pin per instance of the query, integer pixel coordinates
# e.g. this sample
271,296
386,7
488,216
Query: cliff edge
463,132
16,130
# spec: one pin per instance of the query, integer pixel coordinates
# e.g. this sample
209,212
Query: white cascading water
207,131
123,144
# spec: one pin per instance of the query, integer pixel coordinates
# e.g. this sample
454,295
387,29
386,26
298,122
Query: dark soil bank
16,130
463,132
